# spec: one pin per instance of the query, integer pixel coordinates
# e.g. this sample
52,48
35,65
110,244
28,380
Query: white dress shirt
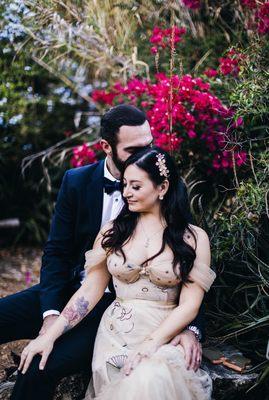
112,205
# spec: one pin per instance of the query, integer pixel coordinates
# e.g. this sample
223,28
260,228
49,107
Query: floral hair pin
164,171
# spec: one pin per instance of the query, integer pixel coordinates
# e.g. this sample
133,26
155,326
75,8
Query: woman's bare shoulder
199,236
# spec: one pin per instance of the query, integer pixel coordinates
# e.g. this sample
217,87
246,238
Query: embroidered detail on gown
145,297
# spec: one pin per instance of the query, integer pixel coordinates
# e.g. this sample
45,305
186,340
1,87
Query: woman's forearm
179,318
80,304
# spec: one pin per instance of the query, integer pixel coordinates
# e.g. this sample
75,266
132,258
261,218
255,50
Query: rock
228,384
70,388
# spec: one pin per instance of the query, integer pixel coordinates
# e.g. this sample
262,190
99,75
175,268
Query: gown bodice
156,281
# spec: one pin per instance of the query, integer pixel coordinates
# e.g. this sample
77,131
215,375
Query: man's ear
106,147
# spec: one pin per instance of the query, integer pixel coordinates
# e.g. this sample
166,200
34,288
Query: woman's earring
161,197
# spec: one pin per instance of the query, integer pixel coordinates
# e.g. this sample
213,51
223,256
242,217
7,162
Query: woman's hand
41,345
144,350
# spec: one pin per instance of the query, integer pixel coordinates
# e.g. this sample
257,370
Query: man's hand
42,345
48,321
192,348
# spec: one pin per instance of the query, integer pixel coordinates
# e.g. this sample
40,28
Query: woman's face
139,191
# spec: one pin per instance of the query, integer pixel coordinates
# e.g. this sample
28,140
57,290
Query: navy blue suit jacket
75,225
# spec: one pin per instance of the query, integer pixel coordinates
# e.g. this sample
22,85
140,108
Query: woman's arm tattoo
75,312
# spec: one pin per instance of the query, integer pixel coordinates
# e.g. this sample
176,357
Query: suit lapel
95,197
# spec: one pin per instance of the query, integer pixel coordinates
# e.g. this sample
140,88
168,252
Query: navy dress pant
20,318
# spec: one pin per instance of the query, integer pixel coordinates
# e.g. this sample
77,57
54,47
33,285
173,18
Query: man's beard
118,163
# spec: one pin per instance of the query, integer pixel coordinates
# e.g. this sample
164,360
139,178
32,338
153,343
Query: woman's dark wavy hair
174,209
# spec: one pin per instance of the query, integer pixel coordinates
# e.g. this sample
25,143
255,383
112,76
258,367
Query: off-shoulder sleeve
203,275
95,258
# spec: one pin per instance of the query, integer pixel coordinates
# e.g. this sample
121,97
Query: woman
154,258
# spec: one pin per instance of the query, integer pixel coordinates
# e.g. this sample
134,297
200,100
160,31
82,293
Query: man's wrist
196,331
50,312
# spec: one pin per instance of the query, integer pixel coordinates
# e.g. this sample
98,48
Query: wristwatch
196,331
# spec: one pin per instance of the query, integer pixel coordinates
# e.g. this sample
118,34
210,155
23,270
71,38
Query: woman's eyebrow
133,180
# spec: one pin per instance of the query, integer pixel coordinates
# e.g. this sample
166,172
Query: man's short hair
113,119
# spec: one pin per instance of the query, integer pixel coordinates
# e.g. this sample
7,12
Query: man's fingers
23,357
44,359
196,357
188,356
28,361
193,361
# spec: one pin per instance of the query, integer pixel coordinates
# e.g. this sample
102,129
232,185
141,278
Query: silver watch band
196,331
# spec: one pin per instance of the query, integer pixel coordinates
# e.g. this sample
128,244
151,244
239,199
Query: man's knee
34,375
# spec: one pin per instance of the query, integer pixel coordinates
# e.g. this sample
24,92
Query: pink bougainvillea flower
83,155
96,147
238,122
229,66
211,73
240,158
167,142
162,38
192,134
192,4
224,160
101,96
263,18
154,50
195,113
251,4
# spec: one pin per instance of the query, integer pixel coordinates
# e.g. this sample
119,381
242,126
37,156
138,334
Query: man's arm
58,252
80,304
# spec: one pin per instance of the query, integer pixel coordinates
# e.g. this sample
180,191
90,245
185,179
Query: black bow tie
111,186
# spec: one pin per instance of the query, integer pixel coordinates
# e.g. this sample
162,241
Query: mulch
19,269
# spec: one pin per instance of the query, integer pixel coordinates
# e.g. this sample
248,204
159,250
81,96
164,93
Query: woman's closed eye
135,187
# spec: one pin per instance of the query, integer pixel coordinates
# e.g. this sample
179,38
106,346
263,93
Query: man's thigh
20,315
73,351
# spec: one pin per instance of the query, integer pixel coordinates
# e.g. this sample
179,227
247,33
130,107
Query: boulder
227,384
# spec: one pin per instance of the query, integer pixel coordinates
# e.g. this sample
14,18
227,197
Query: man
88,198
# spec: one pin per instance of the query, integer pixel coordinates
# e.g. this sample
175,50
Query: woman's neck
153,217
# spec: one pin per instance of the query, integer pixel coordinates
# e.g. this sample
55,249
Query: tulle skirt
163,376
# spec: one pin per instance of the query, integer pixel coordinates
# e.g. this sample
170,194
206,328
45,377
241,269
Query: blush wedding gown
145,297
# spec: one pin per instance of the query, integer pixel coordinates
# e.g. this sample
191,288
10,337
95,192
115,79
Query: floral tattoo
76,312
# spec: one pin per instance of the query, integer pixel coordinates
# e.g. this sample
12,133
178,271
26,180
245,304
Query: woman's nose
126,192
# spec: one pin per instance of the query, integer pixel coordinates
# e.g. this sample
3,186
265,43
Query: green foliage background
235,209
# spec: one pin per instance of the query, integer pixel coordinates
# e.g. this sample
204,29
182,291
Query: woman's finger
129,366
175,341
136,361
126,366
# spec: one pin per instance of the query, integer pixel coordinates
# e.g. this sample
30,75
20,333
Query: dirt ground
19,269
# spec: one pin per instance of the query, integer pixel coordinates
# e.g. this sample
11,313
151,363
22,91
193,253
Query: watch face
267,351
